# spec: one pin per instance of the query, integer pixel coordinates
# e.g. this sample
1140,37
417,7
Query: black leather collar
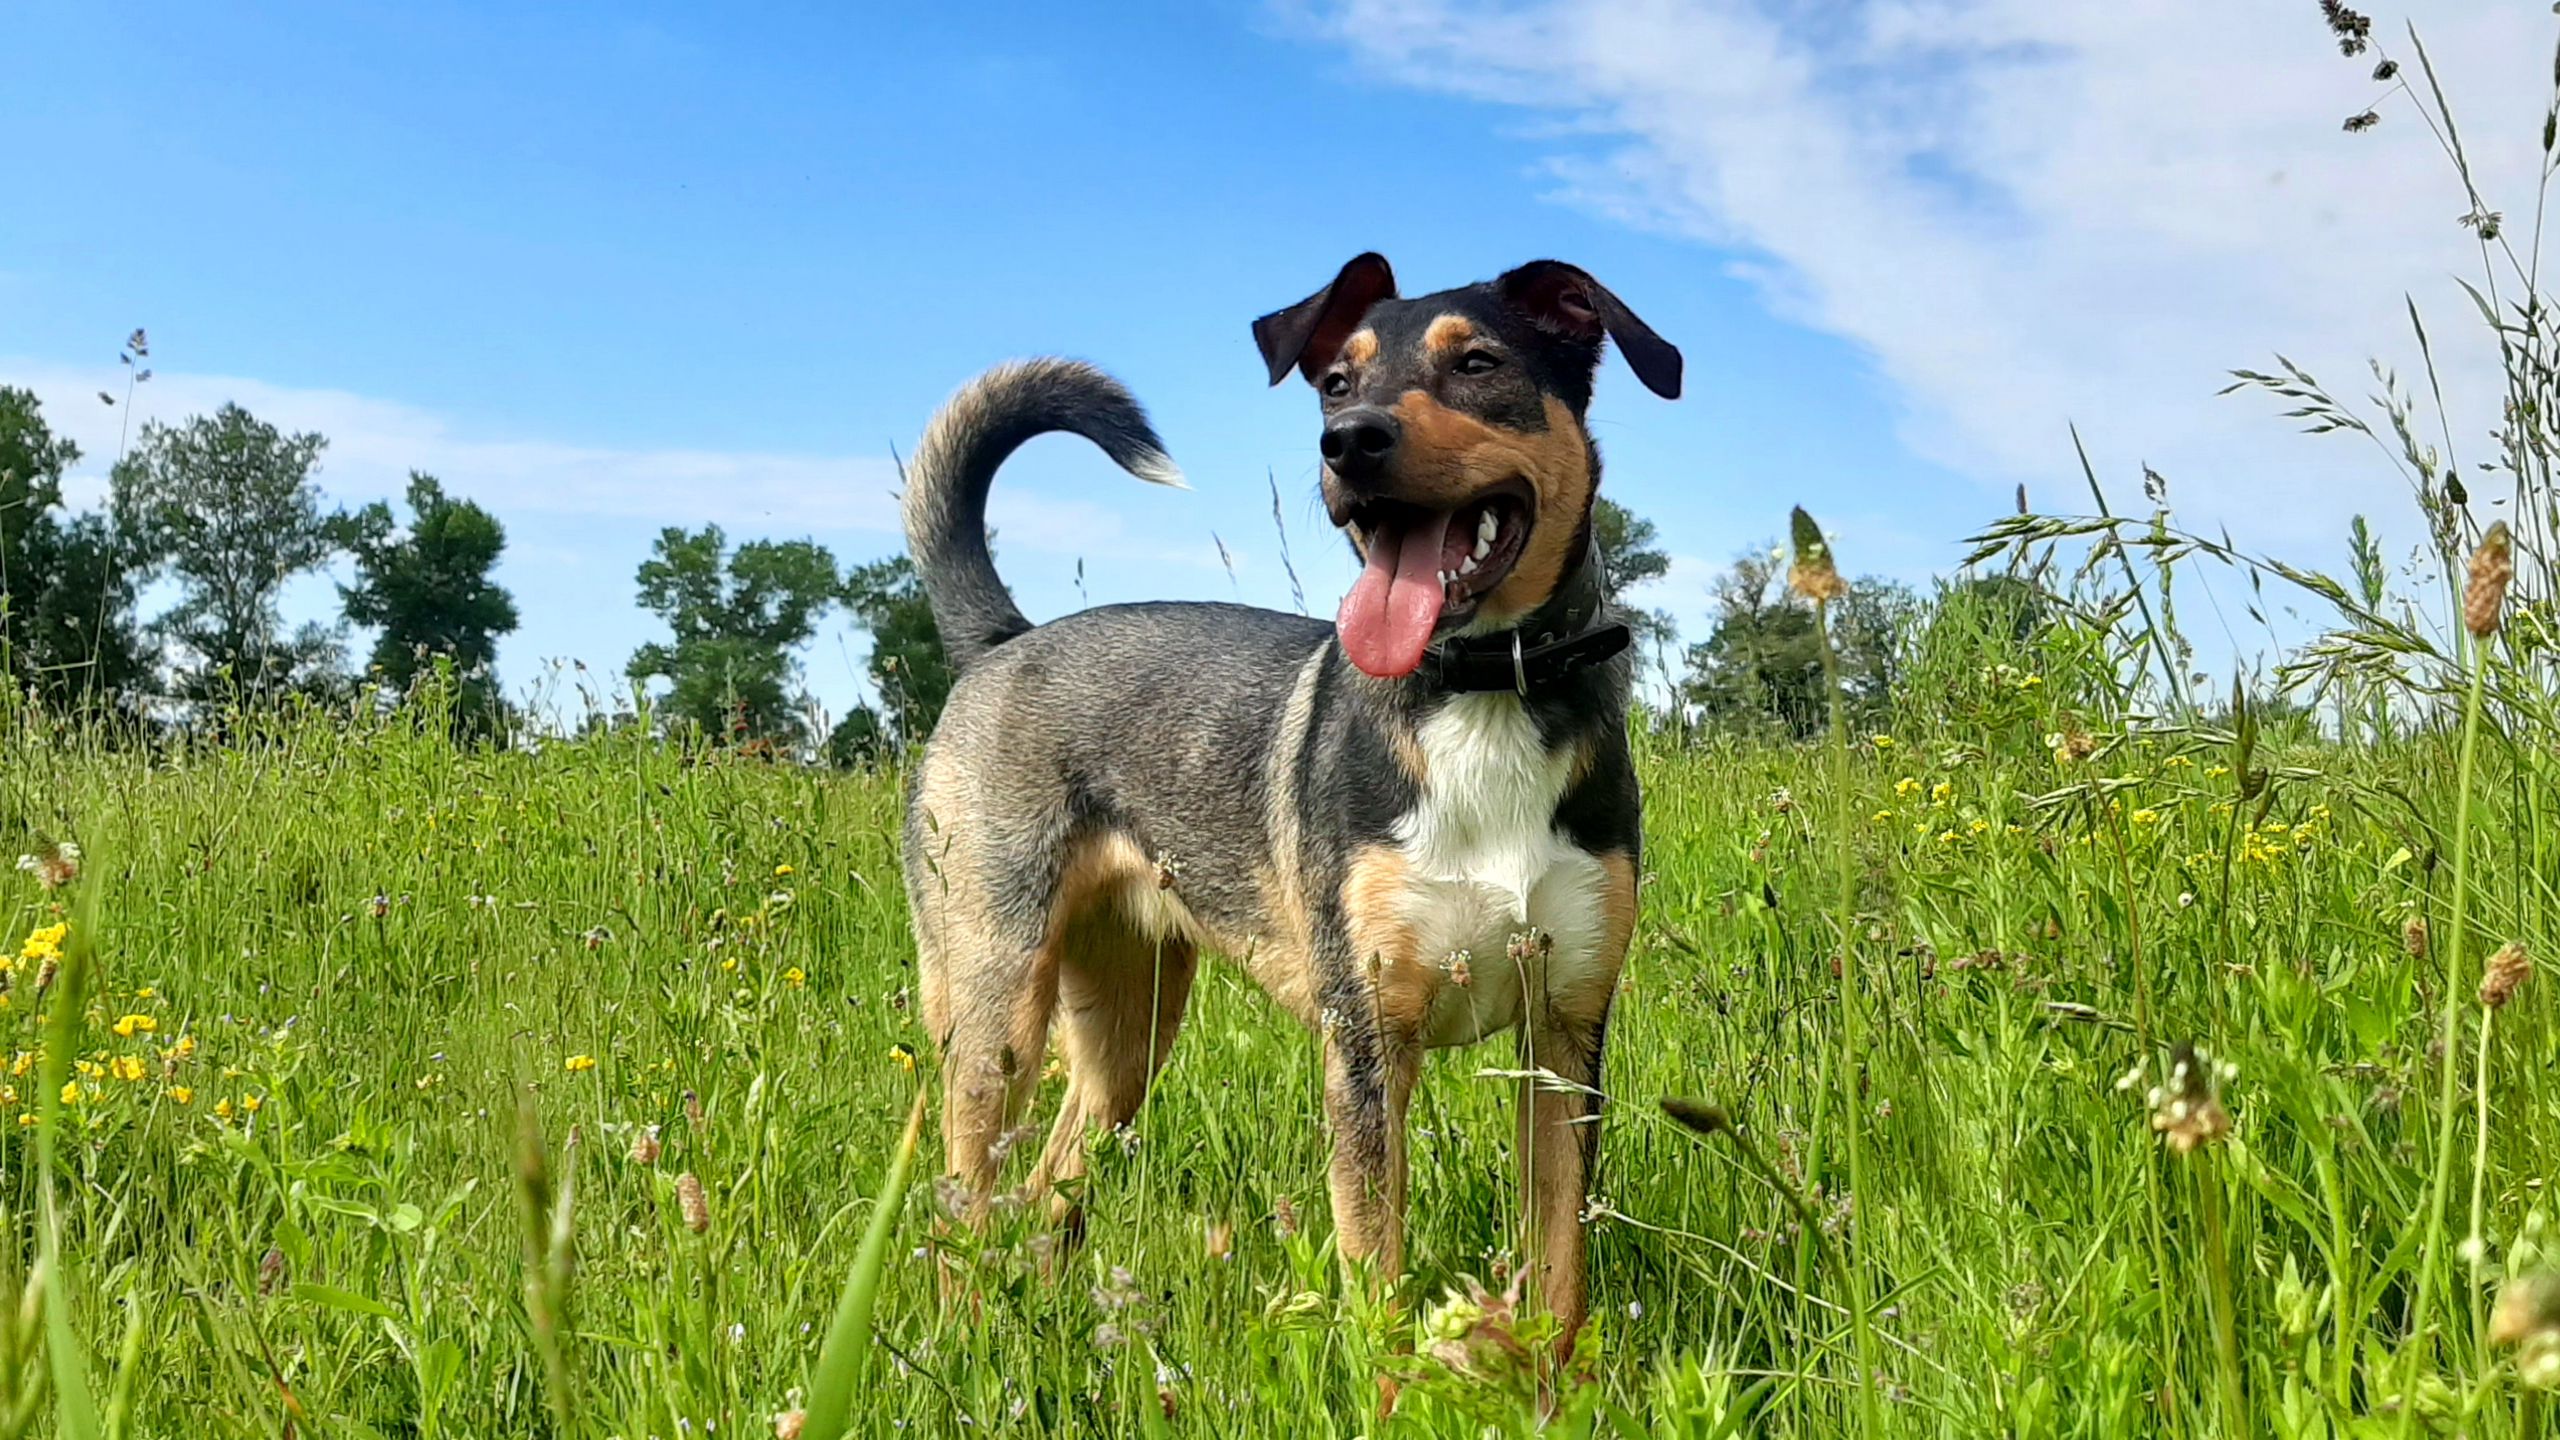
1562,636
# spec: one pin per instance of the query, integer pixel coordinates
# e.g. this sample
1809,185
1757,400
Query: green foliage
1761,666
908,666
429,590
1630,557
736,618
225,505
66,593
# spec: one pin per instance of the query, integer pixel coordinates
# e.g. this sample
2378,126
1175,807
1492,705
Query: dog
1415,827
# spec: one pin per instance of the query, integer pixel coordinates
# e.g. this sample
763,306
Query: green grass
391,948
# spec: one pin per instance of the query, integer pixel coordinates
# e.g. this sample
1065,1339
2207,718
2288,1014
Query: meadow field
417,1089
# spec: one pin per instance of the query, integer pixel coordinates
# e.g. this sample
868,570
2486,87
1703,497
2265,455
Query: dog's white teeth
1486,528
1467,566
1481,547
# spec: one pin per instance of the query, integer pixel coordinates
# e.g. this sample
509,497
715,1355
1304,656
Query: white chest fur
1487,866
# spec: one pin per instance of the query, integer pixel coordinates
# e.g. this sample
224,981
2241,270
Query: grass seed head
644,1146
2187,1111
2505,974
53,866
1813,575
695,1204
2413,937
2484,598
2528,1317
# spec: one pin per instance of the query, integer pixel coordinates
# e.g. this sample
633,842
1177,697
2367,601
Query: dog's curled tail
955,464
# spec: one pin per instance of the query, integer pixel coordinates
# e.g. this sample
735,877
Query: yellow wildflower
130,1025
1946,837
1941,793
146,993
45,943
181,1094
128,1068
1882,816
70,1092
795,977
222,1109
2146,816
905,1055
2216,772
1883,742
781,870
2032,680
250,1103
1906,787
576,1063
185,1047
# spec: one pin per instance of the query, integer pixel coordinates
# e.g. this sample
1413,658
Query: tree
66,597
908,665
735,618
226,505
1762,664
430,592
1629,558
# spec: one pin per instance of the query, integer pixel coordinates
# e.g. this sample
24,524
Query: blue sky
609,268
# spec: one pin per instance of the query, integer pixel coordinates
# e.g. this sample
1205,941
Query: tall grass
409,1089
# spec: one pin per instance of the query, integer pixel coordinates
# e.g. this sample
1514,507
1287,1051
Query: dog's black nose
1359,441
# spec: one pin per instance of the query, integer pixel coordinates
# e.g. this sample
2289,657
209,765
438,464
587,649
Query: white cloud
2032,213
374,444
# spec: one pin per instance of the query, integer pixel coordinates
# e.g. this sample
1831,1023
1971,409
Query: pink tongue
1386,620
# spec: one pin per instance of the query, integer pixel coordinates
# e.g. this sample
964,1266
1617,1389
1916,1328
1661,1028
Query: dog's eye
1337,384
1478,362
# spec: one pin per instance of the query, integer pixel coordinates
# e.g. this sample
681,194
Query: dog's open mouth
1428,570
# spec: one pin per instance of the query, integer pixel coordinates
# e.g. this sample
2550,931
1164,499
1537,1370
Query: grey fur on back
971,435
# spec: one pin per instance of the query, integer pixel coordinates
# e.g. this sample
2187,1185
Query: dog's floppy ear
1310,333
1565,299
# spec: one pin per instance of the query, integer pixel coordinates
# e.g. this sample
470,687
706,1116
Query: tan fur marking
1447,333
1452,457
1617,910
1361,348
1409,756
1281,956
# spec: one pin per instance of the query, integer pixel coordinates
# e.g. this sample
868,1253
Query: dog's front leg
1565,1034
1559,1140
1368,1085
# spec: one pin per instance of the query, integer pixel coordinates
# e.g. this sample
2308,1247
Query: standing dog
1416,827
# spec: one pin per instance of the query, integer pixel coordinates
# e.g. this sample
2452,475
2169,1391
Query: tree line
224,507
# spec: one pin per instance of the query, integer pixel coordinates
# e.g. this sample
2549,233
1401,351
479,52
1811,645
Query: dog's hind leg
1121,995
995,996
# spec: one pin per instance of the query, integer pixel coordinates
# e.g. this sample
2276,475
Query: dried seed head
2187,1112
2528,1318
1814,575
271,1271
696,1205
1699,1115
54,865
788,1424
644,1146
2484,598
693,1111
2354,31
1284,1218
1221,1240
2505,974
2413,937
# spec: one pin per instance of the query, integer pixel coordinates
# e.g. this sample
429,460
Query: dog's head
1456,458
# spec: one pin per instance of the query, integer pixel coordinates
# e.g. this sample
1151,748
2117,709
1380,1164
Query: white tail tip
1159,469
